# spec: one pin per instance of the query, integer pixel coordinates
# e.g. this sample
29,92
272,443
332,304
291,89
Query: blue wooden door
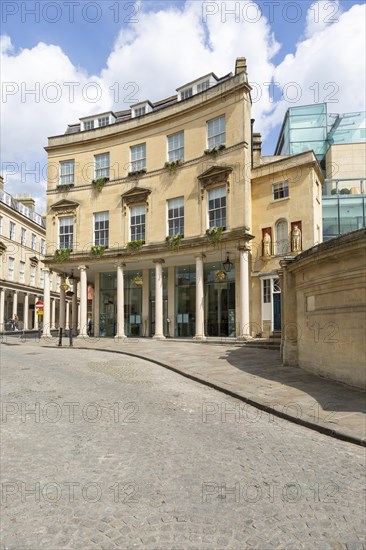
277,311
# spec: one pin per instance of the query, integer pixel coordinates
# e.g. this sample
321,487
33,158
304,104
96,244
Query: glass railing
344,187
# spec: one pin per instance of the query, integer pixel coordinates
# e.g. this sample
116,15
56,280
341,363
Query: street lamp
228,265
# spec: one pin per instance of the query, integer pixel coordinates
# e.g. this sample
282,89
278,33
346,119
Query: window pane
176,216
102,166
217,207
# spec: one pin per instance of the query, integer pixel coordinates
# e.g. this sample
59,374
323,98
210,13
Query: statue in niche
296,239
267,244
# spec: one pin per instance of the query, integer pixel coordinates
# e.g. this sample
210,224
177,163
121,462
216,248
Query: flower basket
99,183
62,254
136,173
98,250
214,235
138,281
173,166
220,276
214,150
174,241
135,245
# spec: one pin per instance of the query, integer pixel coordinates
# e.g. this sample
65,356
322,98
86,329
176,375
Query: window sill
280,200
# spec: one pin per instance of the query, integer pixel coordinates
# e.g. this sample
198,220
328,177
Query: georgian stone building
163,209
22,249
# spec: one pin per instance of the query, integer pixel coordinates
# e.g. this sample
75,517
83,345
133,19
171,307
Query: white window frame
58,283
216,132
101,234
280,190
186,93
23,236
62,223
33,241
175,144
42,247
21,272
12,231
203,86
138,157
215,194
32,277
104,121
1,225
67,172
11,268
176,227
89,124
140,111
101,165
136,211
267,291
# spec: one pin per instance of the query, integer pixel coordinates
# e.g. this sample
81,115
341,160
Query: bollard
60,338
70,337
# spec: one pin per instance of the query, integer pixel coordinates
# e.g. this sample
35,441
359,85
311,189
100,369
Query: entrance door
220,309
277,311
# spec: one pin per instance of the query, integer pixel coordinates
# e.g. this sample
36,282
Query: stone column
53,314
79,316
74,308
46,303
15,303
159,333
67,316
2,309
61,320
244,293
200,316
83,302
120,302
26,311
289,325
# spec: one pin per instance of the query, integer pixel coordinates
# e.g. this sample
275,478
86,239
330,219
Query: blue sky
160,45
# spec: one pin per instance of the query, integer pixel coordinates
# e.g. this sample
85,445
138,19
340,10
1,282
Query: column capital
159,261
83,267
120,264
46,269
244,248
200,256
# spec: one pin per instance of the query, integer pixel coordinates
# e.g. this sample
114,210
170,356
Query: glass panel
351,215
185,301
134,325
108,304
219,302
330,218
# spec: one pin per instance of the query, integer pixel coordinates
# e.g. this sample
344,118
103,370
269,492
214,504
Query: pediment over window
64,206
135,195
214,175
2,248
33,260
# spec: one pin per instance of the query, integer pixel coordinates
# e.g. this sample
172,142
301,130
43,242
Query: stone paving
256,376
109,451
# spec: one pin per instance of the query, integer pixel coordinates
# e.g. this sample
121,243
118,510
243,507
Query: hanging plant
174,241
136,173
99,183
214,235
62,254
98,250
214,150
64,187
135,245
173,166
220,276
138,280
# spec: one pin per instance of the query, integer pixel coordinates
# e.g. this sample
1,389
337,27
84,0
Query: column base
48,336
85,336
158,337
120,337
200,338
244,338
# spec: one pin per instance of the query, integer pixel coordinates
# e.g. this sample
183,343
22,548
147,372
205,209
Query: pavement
254,376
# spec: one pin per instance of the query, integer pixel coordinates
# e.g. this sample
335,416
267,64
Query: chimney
29,202
257,149
240,65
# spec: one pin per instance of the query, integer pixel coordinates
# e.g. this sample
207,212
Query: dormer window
202,86
140,109
103,121
185,94
89,125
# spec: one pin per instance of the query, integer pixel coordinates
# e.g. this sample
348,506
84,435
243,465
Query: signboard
39,307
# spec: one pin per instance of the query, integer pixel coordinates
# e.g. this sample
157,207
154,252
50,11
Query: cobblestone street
107,451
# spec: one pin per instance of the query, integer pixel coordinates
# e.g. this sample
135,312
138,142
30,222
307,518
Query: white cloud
167,47
321,14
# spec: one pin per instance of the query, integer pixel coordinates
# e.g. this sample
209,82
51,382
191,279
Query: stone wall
324,309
